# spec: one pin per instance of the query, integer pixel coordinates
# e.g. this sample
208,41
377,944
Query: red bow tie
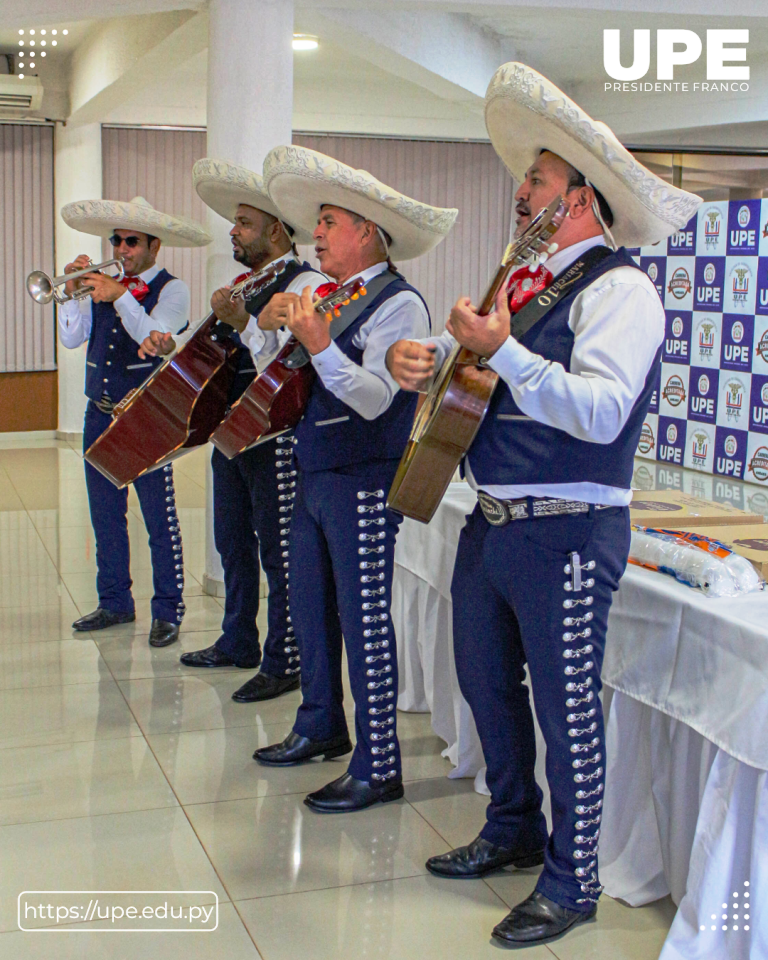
524,285
325,289
135,286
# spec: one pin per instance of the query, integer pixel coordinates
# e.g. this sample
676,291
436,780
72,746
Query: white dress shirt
169,315
618,325
369,389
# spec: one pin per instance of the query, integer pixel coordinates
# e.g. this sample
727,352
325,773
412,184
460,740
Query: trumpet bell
39,287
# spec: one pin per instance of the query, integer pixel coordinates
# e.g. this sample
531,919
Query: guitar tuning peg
336,312
355,296
329,317
344,303
551,248
363,291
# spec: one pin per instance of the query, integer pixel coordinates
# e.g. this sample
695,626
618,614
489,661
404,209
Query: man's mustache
523,210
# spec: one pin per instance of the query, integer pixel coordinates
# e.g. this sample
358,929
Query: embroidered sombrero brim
223,186
301,181
101,217
525,113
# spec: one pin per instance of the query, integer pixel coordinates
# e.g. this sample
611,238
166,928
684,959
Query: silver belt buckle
495,511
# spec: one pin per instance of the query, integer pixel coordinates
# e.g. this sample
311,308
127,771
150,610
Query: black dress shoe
347,794
295,749
479,858
537,920
265,687
163,633
213,657
101,618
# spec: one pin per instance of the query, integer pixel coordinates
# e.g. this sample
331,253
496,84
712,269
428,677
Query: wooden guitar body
174,411
271,404
443,431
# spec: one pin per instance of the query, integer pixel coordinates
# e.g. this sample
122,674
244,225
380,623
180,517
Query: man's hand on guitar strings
481,335
157,344
275,314
411,364
234,314
308,326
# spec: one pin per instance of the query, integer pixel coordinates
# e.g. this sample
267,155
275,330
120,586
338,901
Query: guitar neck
489,300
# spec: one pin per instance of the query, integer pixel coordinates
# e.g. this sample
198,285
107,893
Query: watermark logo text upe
678,48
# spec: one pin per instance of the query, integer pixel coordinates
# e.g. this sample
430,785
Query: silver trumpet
42,288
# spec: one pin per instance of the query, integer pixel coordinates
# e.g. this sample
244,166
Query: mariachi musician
117,317
253,491
543,551
348,444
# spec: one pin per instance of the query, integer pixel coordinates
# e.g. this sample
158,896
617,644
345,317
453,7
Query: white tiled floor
122,770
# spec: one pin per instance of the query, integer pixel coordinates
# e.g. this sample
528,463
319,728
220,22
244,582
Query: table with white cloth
686,809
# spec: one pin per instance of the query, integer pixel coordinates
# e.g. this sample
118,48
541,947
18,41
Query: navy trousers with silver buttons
517,599
252,499
109,507
342,558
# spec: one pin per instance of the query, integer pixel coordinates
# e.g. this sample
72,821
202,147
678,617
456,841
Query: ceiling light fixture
303,41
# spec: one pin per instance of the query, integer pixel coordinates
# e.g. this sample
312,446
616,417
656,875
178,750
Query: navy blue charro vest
513,451
113,365
331,434
245,370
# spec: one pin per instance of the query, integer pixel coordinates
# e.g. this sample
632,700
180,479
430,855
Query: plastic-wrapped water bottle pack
695,560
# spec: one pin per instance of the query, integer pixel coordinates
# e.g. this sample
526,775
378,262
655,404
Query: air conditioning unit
19,96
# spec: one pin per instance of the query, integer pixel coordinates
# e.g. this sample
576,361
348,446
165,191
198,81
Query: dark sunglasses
128,241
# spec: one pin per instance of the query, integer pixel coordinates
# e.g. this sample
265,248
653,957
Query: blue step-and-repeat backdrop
710,408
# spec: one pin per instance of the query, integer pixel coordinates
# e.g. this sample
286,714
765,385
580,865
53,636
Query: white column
249,109
77,176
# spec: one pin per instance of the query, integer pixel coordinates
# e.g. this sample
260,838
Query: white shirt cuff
331,360
510,361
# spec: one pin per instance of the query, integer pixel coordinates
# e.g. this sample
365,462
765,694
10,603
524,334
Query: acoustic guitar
454,407
179,405
276,399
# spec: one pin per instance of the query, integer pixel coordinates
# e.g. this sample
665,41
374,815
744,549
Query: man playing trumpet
117,316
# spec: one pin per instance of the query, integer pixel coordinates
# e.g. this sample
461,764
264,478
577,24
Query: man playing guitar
348,444
251,493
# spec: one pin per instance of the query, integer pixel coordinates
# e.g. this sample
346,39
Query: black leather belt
499,512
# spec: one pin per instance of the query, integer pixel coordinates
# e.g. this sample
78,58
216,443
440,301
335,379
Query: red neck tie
524,285
325,289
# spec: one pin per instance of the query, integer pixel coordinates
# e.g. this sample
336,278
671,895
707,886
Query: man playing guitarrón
545,548
117,316
252,491
348,445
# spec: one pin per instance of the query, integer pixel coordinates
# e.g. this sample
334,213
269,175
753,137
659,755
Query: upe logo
712,220
740,277
699,446
677,327
703,384
758,465
671,434
679,284
737,332
762,348
709,271
730,446
647,441
764,394
674,394
706,330
734,400
653,272
667,57
743,216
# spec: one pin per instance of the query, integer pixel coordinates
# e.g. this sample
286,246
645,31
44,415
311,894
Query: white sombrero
526,113
300,181
223,186
101,217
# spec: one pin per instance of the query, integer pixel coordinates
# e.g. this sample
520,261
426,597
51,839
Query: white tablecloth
687,739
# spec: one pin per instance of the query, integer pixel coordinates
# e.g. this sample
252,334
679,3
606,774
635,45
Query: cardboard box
748,540
670,508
